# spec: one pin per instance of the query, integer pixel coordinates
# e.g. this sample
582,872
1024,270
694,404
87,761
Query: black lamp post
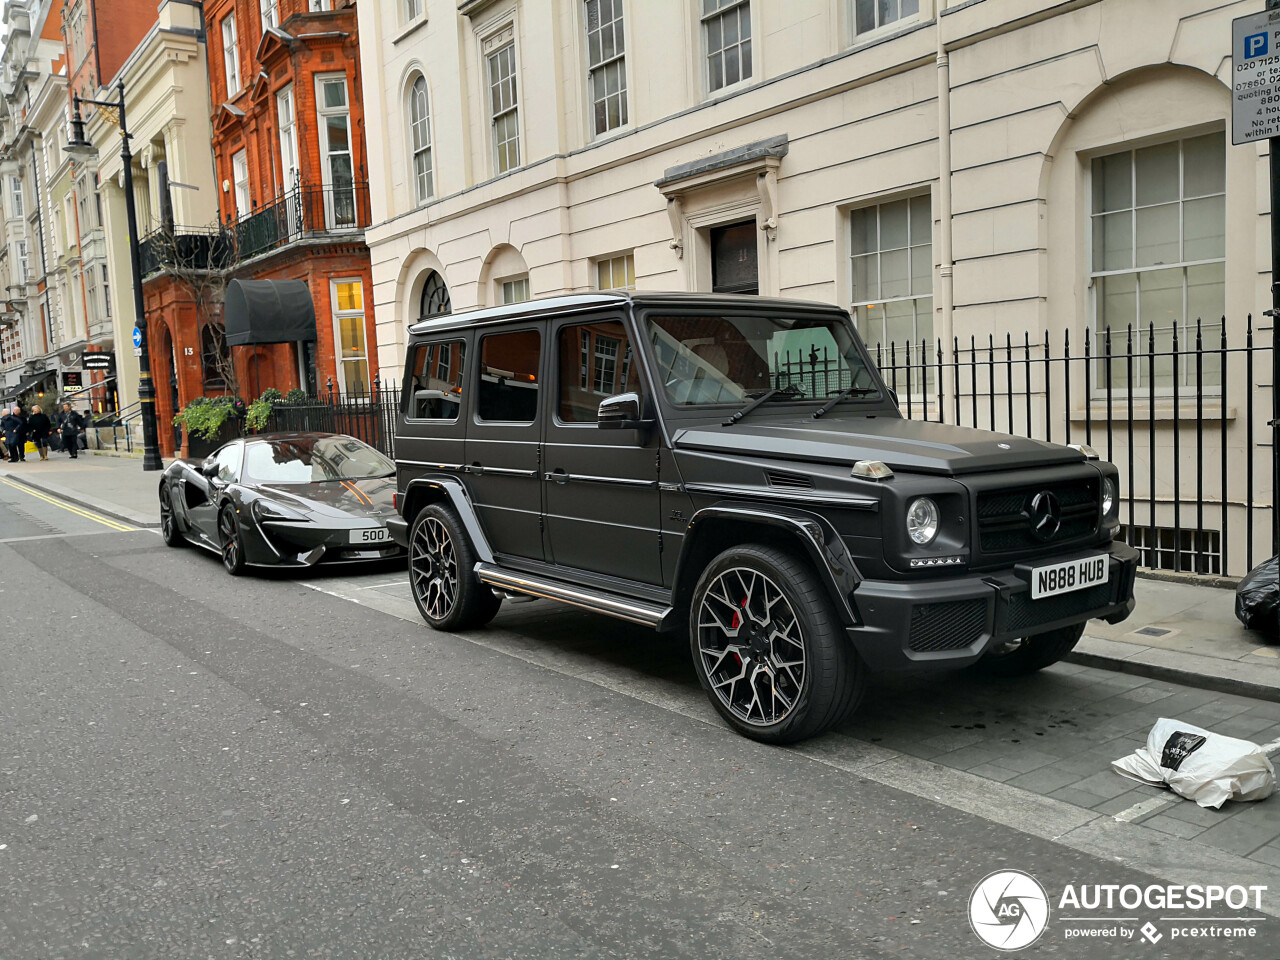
146,389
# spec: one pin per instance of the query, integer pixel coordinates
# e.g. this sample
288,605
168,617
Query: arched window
215,361
435,298
420,133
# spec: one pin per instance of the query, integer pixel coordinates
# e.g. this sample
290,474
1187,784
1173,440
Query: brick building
290,161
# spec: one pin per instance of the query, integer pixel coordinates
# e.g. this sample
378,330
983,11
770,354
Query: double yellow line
87,514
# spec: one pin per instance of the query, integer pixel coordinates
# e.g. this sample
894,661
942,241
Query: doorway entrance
735,266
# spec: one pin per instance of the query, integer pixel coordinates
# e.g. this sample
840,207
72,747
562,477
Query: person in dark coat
15,432
38,428
69,426
22,415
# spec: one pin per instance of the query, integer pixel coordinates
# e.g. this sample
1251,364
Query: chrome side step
612,605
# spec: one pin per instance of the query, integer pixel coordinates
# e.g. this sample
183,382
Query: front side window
348,319
508,388
892,261
616,273
503,108
228,459
726,29
515,290
606,65
231,54
871,15
595,362
270,13
420,135
240,181
313,460
1158,219
435,391
729,360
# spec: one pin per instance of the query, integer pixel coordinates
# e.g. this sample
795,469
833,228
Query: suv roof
580,302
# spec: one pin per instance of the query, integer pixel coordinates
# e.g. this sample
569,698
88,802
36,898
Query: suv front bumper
951,623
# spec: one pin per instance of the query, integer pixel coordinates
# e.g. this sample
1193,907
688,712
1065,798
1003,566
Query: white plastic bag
1201,766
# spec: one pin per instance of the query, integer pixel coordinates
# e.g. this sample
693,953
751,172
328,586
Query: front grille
1005,523
947,626
1023,613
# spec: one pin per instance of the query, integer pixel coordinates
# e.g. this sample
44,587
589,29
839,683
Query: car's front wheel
168,519
1016,658
441,573
768,648
232,542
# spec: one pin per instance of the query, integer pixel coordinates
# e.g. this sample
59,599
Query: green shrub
259,413
295,396
204,416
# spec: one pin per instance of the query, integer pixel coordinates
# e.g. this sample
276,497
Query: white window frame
514,289
420,140
22,256
19,202
287,125
106,290
319,6
913,296
231,54
502,47
90,296
626,262
323,114
338,316
412,10
239,184
898,18
746,69
270,12
599,70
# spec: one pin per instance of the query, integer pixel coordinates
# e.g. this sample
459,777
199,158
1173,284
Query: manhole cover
1153,632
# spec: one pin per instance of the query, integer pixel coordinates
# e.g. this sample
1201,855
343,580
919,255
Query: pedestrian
69,427
14,432
38,428
22,447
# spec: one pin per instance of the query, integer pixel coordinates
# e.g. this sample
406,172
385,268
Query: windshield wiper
843,395
791,390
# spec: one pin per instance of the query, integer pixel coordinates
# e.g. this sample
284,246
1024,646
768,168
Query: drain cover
1153,632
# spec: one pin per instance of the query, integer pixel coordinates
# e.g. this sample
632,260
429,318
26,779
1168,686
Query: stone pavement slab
116,486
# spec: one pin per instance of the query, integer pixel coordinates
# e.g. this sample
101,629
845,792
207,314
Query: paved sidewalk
1179,632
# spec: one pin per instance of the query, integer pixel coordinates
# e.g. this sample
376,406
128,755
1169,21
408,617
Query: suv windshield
313,460
726,360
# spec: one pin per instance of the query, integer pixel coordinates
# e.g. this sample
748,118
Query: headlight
1108,496
265,510
922,520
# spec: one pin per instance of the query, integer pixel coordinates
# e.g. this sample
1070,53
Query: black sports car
283,500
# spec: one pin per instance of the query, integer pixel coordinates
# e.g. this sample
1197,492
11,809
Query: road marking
87,514
56,536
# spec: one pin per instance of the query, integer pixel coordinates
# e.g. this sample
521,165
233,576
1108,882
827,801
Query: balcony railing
308,210
186,248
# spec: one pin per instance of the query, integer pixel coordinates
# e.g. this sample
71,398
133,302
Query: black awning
26,384
269,311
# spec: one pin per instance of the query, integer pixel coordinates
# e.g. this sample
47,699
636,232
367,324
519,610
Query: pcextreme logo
1010,910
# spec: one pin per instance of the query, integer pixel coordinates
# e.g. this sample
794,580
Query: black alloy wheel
232,542
441,573
1016,658
768,648
168,519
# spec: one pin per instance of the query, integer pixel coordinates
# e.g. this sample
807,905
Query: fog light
922,520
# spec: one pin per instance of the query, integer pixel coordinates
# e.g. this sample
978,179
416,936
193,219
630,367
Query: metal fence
1183,410
367,413
306,210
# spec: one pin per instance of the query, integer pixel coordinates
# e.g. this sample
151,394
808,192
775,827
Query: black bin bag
1258,598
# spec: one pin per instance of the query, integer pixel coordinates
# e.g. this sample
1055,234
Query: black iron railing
1182,410
186,248
365,412
307,210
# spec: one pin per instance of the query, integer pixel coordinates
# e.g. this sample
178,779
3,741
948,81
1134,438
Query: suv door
503,439
600,486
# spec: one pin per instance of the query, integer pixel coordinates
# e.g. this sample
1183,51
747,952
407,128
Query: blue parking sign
1255,45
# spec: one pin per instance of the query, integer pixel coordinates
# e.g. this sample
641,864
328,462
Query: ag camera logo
1009,910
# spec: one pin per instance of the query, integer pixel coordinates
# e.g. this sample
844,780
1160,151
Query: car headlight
1108,496
265,510
922,520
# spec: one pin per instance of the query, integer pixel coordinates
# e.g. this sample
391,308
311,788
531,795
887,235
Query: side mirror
209,468
622,411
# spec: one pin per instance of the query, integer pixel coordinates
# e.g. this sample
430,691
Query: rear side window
508,387
595,362
435,382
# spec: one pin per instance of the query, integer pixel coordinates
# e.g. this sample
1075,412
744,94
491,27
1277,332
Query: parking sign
1255,77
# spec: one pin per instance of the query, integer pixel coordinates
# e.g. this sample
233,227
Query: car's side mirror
210,468
623,411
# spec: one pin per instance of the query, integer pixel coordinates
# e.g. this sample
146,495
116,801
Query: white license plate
371,535
1056,578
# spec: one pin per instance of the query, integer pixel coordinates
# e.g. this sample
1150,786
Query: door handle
475,468
558,475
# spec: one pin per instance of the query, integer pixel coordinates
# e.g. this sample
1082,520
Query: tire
1030,653
740,671
232,541
168,519
441,573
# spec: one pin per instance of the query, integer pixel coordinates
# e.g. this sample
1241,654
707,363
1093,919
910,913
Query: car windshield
313,460
733,359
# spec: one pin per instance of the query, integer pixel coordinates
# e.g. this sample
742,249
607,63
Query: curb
114,511
1204,673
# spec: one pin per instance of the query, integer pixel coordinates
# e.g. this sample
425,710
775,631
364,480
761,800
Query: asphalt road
193,765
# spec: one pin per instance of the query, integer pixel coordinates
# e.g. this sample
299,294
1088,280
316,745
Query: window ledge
412,28
1211,409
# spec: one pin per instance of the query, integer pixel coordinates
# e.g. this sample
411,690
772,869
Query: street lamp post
146,388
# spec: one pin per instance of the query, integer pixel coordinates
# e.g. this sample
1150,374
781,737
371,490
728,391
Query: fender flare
456,494
822,544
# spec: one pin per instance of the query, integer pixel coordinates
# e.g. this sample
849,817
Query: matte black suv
735,468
